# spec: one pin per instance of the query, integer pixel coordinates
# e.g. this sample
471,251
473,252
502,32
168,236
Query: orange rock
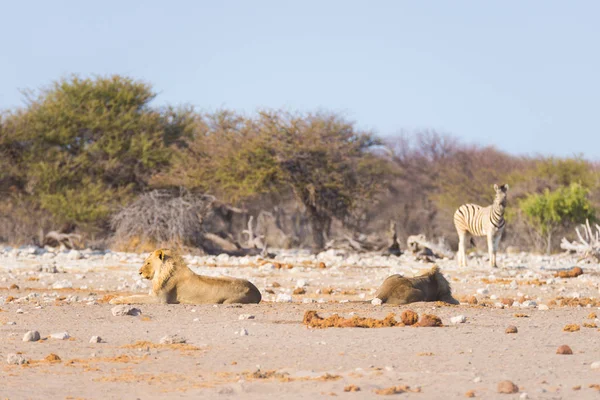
507,387
511,329
409,317
564,349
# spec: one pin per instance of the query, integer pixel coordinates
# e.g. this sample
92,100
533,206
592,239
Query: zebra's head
501,194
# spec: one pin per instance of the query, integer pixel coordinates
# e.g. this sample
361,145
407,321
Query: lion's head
153,264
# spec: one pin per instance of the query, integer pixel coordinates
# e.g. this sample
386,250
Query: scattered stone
507,387
96,339
483,291
376,301
246,316
571,328
172,339
470,393
524,396
52,358
14,286
543,307
16,359
74,255
19,311
595,365
351,388
60,336
243,332
459,319
64,284
323,266
299,290
511,329
571,273
283,298
31,336
409,317
11,323
429,320
592,316
564,349
471,300
121,310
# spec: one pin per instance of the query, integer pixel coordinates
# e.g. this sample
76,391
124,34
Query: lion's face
152,264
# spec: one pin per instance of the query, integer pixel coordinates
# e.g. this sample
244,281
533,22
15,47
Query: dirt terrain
264,350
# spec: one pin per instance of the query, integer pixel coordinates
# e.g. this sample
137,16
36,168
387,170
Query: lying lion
173,282
431,286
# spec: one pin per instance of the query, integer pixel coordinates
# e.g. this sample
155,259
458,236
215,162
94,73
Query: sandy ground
54,292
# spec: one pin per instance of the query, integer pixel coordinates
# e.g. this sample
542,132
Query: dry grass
571,328
396,390
313,320
571,273
143,344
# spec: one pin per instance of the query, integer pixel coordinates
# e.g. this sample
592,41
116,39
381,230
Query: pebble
11,323
172,339
477,379
15,359
543,307
564,349
507,387
376,301
511,329
74,255
459,319
60,335
595,365
528,304
64,284
31,336
524,396
122,310
96,339
246,316
243,332
283,298
483,291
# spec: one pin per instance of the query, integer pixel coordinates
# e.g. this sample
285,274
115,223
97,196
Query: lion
174,283
430,286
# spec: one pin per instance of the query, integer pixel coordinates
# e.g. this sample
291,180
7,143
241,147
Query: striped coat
474,220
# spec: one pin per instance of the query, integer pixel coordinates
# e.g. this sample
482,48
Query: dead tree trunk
394,248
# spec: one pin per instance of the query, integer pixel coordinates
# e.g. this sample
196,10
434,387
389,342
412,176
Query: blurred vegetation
82,149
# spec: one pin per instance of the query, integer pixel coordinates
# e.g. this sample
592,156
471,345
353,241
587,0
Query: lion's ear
160,254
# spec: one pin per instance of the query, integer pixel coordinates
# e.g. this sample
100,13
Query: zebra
481,221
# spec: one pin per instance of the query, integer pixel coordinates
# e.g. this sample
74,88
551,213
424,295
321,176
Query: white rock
74,255
11,323
477,379
459,319
60,336
243,332
31,336
513,285
307,300
528,304
595,365
19,311
172,339
64,284
483,291
376,301
300,283
524,396
543,307
15,359
122,310
246,316
283,298
96,339
266,267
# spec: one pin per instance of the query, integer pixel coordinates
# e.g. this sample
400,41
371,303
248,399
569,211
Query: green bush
551,210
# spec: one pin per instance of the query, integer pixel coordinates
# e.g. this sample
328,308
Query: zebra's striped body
481,221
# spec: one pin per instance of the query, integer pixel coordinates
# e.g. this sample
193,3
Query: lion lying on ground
173,282
431,286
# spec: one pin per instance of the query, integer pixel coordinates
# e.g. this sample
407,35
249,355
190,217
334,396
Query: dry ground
282,357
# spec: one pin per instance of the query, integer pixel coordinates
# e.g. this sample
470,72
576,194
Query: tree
551,210
323,160
89,144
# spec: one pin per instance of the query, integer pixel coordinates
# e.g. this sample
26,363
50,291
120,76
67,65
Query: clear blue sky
521,75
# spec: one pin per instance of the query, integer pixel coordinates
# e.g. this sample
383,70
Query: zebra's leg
491,249
461,255
496,243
